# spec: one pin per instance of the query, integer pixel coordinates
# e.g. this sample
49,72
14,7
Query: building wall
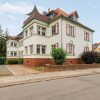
78,40
62,39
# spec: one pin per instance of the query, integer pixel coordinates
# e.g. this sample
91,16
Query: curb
45,79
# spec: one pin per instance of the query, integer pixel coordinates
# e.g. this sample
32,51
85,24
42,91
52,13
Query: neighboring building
52,29
96,47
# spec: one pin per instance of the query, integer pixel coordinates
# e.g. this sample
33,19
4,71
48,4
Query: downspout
61,34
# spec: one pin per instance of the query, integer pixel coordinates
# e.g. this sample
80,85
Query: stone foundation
42,61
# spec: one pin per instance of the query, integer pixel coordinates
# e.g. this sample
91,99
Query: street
76,88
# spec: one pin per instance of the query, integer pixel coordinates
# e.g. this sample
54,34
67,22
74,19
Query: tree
59,55
3,38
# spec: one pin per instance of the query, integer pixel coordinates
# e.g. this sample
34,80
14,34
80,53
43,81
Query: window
15,53
11,53
43,49
20,43
70,30
38,49
38,30
15,44
31,49
70,49
31,30
86,36
43,31
56,45
26,50
86,48
55,29
26,33
11,44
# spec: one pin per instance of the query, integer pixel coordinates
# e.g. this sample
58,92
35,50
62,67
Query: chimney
48,10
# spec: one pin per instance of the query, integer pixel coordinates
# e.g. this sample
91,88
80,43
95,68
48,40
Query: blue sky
12,12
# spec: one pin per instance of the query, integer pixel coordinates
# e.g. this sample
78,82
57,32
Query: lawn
41,69
4,71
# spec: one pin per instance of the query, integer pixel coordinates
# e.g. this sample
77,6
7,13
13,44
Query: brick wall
41,61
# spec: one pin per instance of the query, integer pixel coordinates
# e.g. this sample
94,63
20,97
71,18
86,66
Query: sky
13,12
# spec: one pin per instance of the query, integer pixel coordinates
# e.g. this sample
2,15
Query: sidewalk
23,79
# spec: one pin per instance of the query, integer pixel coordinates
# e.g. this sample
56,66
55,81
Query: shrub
97,59
2,60
89,57
14,61
20,61
59,55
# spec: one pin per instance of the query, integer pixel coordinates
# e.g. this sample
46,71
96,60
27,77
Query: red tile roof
35,14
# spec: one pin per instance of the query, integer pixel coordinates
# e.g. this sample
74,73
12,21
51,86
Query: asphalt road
77,88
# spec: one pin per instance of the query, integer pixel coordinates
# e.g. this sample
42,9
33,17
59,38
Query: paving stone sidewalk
12,80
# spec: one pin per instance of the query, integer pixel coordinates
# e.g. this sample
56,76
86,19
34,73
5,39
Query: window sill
71,36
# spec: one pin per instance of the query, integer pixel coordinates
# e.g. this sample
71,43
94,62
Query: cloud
20,8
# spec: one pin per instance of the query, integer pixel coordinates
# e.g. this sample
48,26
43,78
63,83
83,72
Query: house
52,29
96,47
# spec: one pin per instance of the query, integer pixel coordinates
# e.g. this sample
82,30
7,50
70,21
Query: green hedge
15,61
20,61
2,60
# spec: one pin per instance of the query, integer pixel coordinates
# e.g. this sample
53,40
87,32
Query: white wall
49,40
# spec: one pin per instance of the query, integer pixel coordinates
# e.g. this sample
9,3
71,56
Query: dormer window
52,15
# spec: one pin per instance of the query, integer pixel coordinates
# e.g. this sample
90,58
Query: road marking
11,70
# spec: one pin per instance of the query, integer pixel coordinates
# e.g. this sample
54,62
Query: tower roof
35,15
35,10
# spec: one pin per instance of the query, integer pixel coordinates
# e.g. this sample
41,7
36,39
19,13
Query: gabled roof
60,12
74,13
18,37
35,14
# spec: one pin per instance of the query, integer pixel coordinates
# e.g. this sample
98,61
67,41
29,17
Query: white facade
77,43
49,40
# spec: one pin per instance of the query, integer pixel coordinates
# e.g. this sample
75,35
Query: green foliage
59,55
20,60
2,60
89,57
3,39
13,61
97,60
39,68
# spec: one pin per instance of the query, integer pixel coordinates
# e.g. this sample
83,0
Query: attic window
75,18
52,15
